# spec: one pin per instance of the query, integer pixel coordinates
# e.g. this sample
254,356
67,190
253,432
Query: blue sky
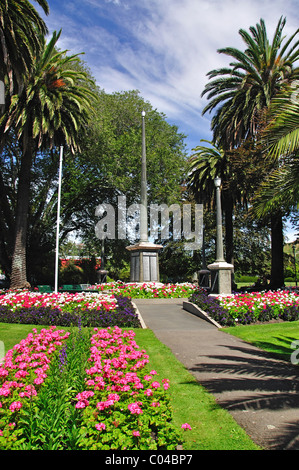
163,48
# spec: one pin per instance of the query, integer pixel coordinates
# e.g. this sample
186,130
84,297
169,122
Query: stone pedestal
221,277
144,262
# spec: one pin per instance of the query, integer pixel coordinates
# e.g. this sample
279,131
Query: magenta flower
100,426
186,426
15,405
134,408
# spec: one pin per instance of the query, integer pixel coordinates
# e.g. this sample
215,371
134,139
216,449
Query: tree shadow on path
251,384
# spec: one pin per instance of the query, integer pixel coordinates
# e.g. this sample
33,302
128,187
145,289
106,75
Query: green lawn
275,338
213,428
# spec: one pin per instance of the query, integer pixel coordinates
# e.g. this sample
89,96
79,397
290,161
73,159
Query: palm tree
281,136
205,165
244,91
21,29
241,94
281,139
51,111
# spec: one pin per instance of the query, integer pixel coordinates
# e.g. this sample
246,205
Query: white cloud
164,48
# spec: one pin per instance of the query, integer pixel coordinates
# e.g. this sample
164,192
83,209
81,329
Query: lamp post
294,251
219,240
221,271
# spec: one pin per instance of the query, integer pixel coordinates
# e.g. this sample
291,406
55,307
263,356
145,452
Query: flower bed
249,307
23,372
72,391
124,406
148,290
62,301
62,309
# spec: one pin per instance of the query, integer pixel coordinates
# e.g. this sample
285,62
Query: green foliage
21,31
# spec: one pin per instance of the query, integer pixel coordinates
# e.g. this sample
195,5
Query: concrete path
261,393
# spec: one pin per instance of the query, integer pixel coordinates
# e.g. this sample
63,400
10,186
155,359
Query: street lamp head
143,113
217,182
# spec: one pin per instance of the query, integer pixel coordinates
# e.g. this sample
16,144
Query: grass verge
275,338
213,428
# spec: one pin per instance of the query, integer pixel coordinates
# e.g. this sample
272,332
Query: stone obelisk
144,255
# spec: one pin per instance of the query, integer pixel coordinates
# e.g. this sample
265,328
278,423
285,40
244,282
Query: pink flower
114,397
155,385
81,404
134,408
100,426
186,426
101,405
136,433
38,381
15,405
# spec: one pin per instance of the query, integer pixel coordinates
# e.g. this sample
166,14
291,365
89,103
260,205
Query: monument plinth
144,262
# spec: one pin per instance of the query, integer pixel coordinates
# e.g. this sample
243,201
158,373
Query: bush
289,279
245,278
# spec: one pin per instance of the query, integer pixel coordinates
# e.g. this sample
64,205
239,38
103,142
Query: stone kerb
195,310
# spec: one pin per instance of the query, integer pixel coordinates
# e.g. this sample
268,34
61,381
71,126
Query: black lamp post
294,251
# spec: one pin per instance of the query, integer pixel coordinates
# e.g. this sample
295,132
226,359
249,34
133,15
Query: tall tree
281,140
21,29
241,94
107,165
50,111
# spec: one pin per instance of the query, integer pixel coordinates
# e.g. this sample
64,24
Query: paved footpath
261,393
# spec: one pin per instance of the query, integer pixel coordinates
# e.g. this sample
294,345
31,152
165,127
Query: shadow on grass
279,346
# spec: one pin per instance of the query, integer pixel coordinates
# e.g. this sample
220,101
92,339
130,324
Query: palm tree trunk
277,277
18,269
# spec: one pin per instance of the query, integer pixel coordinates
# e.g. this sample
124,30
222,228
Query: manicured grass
275,338
213,428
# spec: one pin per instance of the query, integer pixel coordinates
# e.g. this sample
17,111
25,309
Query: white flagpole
58,221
